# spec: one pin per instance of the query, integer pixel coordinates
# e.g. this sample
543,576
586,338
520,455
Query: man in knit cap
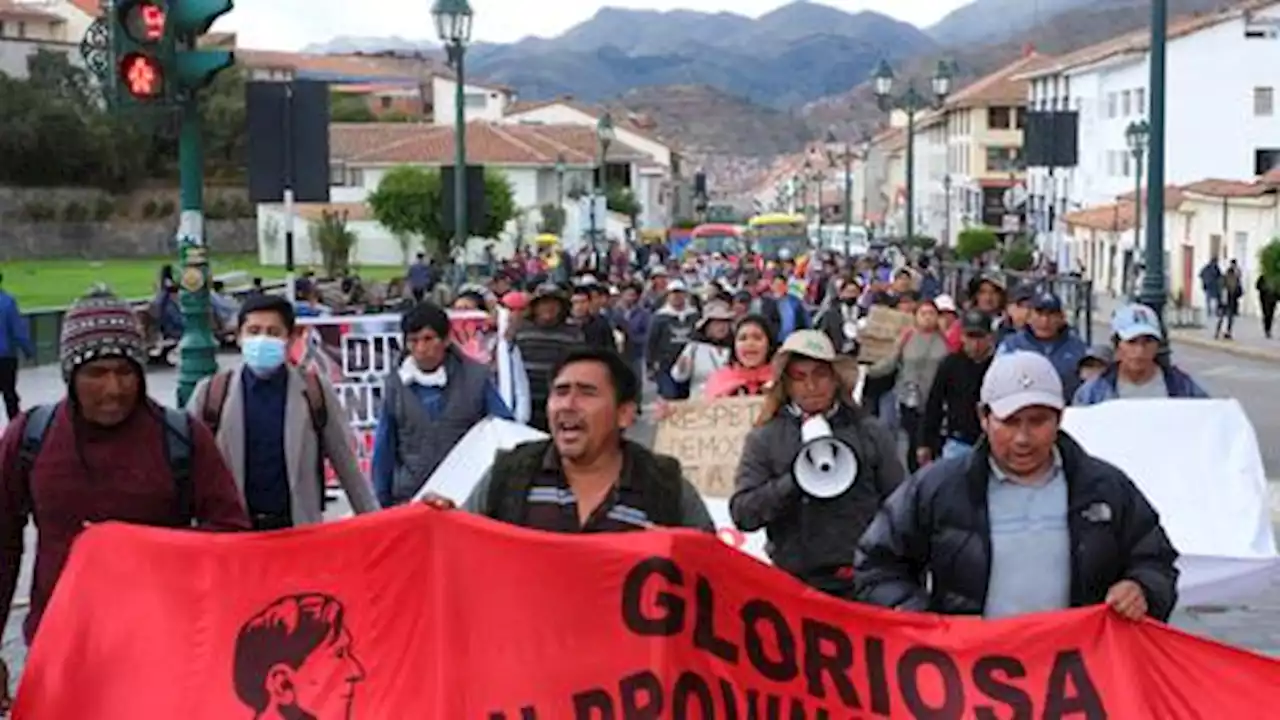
106,452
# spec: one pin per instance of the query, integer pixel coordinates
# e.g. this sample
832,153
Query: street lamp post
946,209
912,102
847,157
560,181
1136,136
1153,282
604,136
453,27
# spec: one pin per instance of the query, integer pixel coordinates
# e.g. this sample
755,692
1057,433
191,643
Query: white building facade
652,182
1223,72
479,102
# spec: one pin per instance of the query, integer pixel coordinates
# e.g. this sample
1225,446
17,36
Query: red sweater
119,473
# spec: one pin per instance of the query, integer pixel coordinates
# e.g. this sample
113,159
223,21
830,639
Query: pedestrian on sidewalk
1231,293
14,336
1267,297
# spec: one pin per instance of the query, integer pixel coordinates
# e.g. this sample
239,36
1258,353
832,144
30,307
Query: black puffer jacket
937,524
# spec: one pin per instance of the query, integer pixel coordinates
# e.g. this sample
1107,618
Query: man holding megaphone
815,469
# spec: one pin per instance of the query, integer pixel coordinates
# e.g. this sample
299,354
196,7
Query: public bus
715,238
771,234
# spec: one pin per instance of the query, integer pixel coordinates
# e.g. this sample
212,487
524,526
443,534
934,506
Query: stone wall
45,223
116,239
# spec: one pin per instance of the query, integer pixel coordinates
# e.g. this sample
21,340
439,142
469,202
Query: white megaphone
826,467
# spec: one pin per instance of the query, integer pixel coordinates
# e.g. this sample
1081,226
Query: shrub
74,212
976,242
37,211
167,208
103,209
151,209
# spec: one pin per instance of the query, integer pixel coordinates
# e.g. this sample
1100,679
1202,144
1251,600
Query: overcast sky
291,24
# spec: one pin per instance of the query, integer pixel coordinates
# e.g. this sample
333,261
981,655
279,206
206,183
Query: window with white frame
1264,101
475,101
1126,100
1140,101
1113,105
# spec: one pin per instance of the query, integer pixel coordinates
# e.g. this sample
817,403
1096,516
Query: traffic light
141,45
193,68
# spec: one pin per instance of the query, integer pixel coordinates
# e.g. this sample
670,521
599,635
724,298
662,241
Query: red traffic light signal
144,21
142,76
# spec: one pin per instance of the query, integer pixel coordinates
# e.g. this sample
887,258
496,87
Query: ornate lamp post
1136,137
912,102
846,156
1153,281
604,136
453,27
560,180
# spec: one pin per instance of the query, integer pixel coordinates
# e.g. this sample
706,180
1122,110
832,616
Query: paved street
1255,383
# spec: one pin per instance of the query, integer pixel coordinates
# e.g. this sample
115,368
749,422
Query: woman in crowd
948,314
708,351
915,359
748,371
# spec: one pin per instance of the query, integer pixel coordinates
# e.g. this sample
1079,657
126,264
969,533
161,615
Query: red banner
414,613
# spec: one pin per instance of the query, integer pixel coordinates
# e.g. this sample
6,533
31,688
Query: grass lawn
55,283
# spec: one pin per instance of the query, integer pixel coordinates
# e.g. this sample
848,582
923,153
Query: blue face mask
263,354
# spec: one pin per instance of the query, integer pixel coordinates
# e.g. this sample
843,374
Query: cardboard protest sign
706,437
386,617
884,327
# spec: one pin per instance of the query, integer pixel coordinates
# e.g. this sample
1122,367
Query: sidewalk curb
1182,337
1226,346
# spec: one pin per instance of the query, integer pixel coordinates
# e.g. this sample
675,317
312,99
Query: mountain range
804,60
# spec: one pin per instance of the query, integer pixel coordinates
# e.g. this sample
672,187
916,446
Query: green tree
335,241
345,107
975,242
407,203
1019,255
1269,264
499,204
621,199
552,219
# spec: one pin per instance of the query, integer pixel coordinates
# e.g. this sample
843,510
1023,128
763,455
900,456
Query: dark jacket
634,323
936,524
1103,388
1064,351
952,406
654,483
810,536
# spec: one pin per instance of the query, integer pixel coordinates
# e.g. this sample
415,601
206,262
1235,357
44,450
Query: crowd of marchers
993,509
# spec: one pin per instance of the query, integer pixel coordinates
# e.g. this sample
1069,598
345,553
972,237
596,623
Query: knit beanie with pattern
100,325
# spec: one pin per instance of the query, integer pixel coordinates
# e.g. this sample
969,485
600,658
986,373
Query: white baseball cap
1021,380
945,303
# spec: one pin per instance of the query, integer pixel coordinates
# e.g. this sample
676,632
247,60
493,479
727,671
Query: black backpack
177,447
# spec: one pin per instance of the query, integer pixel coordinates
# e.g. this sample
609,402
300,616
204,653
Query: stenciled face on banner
355,353
296,659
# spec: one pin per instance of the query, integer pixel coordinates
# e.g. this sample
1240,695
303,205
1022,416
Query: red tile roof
1000,87
10,10
487,144
1119,216
640,124
1230,188
92,8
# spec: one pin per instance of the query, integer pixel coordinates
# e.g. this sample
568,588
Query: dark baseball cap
1047,302
1021,294
976,321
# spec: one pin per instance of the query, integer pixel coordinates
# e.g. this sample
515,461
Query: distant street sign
1015,197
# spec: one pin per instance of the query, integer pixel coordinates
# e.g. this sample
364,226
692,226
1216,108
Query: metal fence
45,324
1076,293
